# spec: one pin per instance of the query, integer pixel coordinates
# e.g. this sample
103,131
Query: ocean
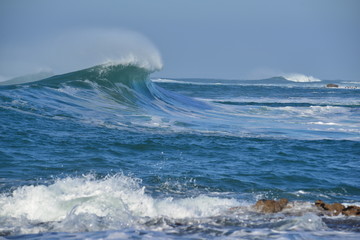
111,152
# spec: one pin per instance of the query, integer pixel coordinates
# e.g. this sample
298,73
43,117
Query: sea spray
296,77
78,49
99,203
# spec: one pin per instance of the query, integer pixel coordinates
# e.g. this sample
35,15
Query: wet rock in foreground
271,206
337,208
334,209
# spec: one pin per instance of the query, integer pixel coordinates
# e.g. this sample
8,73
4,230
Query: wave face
107,152
120,94
70,51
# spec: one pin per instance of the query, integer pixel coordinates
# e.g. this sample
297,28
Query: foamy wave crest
90,204
76,50
296,77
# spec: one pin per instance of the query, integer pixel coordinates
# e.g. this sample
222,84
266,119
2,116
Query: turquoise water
108,152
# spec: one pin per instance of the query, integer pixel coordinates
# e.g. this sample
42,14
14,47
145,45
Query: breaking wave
117,202
122,95
102,203
296,77
74,50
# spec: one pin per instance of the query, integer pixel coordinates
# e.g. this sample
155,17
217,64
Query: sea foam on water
107,203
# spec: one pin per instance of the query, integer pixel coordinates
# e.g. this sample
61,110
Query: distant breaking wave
296,77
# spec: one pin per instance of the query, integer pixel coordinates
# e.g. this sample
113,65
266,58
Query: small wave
286,102
286,82
205,82
325,123
296,77
165,80
77,204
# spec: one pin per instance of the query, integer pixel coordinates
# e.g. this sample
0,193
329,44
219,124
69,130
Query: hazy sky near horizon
209,38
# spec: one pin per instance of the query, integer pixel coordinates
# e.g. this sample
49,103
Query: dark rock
337,208
271,206
351,211
331,85
332,209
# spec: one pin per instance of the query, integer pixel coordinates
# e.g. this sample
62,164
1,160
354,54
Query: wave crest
78,204
297,77
81,49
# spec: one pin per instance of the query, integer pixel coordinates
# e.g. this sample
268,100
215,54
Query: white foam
188,82
297,77
308,222
164,80
325,123
316,111
151,63
118,200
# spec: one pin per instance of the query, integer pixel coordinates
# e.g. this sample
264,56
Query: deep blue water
108,152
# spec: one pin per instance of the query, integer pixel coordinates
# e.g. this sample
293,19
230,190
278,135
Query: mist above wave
75,50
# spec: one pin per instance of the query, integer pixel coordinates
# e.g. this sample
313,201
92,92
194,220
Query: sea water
111,153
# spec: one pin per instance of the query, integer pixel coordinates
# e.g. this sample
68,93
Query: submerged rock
271,206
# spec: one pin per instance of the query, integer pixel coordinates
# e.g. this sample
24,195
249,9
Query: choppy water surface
107,152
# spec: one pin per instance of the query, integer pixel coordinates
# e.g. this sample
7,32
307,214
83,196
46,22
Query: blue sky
229,39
